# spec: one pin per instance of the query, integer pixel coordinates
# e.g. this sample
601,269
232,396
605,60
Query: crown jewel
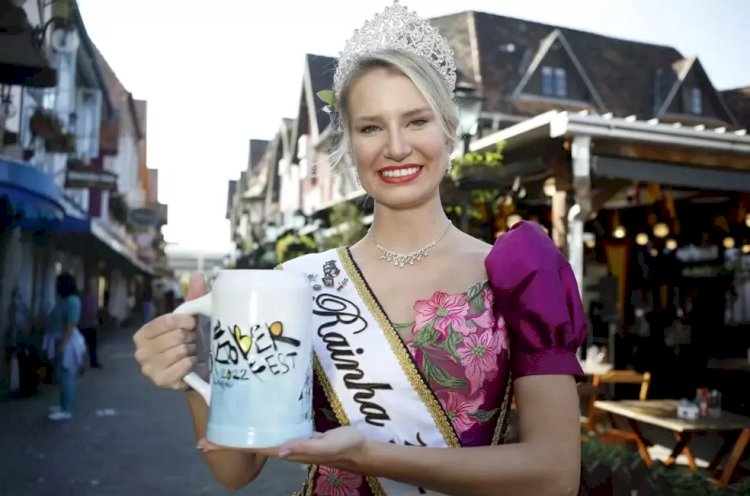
397,28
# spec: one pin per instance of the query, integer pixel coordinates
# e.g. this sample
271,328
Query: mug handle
197,306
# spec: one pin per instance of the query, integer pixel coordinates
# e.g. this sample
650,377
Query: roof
88,48
231,190
318,76
493,52
738,101
257,150
498,55
321,78
123,102
140,111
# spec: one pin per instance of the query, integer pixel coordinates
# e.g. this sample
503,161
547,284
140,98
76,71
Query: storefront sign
79,176
144,217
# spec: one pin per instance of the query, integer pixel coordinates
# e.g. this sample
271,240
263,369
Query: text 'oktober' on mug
260,364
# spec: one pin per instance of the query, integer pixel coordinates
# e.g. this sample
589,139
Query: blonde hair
420,72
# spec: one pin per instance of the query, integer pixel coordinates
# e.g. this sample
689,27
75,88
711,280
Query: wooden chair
590,422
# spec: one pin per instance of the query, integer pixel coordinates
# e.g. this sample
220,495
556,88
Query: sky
216,74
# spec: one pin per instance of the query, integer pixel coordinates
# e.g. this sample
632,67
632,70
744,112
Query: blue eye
369,129
419,122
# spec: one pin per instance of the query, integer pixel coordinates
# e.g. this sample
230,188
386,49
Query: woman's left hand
342,447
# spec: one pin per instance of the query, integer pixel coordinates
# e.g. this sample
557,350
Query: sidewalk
127,438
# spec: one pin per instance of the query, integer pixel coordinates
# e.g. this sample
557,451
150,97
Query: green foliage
625,466
61,143
118,208
45,123
490,159
475,177
328,97
292,246
348,219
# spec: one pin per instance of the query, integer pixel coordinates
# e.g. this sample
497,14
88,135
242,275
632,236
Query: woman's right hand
167,347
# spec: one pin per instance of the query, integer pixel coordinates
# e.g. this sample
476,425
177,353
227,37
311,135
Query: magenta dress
526,319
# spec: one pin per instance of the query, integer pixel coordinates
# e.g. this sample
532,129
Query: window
561,83
88,118
696,101
548,83
554,82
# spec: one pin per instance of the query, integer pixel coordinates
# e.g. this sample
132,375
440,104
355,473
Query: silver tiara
397,28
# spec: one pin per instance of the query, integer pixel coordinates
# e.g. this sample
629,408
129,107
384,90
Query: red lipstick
399,174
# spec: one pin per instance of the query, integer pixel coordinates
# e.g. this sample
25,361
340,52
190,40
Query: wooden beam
660,153
601,196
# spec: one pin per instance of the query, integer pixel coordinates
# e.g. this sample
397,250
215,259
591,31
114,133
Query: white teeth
400,172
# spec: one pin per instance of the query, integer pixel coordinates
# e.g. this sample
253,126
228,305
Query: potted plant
75,162
61,143
118,208
292,246
45,123
481,165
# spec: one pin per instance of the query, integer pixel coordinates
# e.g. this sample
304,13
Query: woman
69,344
451,330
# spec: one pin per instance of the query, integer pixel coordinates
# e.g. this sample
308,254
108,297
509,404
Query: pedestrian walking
90,320
67,342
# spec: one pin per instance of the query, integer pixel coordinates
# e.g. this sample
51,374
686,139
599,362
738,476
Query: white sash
370,379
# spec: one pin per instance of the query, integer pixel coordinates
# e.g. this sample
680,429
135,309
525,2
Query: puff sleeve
535,291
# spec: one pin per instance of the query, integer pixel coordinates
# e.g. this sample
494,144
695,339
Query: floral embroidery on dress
460,410
335,482
487,318
443,311
479,356
457,342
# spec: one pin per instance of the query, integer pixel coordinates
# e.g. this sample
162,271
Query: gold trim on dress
341,417
502,419
333,400
399,350
311,471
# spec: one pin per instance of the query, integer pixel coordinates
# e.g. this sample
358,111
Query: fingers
169,366
206,446
304,447
171,377
175,337
166,350
196,287
164,324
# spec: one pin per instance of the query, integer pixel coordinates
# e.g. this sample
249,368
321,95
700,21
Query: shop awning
626,148
30,191
106,245
554,124
673,174
21,59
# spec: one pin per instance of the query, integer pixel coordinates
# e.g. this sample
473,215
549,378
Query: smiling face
399,146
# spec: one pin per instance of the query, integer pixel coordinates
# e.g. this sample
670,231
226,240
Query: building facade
72,171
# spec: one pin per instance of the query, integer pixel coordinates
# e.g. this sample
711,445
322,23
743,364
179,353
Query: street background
128,438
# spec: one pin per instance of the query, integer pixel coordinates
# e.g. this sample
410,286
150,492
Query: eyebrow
410,113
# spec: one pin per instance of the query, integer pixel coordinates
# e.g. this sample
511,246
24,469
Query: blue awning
30,191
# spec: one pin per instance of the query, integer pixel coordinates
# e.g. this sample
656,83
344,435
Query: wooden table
729,365
595,368
663,413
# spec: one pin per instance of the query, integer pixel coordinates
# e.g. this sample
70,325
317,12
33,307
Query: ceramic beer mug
260,364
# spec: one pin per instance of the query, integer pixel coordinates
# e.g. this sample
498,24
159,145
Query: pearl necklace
403,259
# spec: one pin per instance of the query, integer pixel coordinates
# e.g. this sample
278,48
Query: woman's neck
408,230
